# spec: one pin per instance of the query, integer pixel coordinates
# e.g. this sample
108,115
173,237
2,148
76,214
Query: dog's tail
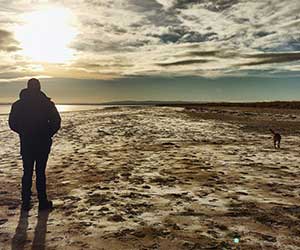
272,131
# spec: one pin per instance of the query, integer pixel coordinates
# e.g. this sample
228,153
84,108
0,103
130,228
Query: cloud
184,62
202,53
216,6
184,37
22,79
7,41
270,58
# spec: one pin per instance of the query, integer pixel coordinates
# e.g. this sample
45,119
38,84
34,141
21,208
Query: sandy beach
160,178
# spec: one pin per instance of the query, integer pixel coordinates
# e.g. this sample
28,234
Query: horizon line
151,102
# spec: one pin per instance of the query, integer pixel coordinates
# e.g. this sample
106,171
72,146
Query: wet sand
160,178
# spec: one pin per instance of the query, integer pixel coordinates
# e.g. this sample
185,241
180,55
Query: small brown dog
276,138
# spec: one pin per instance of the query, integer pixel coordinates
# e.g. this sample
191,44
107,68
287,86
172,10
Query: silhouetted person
35,118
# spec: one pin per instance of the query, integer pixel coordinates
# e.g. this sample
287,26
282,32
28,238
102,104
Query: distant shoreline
272,105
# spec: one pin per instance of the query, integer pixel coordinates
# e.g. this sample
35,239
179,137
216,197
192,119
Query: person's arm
13,119
54,120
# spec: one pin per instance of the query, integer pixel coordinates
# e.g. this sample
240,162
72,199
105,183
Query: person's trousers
40,163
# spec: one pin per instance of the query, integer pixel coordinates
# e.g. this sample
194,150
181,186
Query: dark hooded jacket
35,118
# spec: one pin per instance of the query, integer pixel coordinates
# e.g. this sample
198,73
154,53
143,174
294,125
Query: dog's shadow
19,240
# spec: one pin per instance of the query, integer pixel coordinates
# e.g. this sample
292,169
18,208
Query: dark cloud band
269,58
184,62
7,42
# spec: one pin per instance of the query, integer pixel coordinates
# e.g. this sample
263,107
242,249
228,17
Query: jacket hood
30,94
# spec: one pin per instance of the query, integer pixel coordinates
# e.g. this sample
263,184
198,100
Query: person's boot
46,205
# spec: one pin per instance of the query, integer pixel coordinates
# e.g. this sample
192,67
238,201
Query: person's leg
41,163
28,163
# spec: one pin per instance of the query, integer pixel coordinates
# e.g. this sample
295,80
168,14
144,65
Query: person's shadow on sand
40,231
20,238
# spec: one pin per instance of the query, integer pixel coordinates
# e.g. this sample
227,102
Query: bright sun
46,35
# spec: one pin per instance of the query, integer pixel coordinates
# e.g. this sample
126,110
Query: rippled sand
156,178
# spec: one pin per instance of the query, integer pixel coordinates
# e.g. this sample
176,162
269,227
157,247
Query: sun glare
46,35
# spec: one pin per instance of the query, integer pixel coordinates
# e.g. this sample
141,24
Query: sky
189,50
